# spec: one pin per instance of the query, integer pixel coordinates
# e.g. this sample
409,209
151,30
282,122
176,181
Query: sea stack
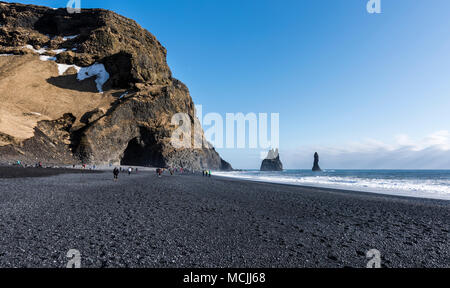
272,162
316,167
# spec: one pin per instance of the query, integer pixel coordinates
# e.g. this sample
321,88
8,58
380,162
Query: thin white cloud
430,152
439,140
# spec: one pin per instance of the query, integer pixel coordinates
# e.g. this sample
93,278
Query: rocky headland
92,87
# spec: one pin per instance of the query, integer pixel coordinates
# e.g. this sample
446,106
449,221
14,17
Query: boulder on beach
272,162
316,167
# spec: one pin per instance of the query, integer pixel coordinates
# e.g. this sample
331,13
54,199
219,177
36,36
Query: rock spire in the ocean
316,167
272,162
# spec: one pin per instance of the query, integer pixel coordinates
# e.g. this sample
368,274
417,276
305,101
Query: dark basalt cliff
130,123
272,162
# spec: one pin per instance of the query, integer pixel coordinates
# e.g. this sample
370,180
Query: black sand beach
19,172
192,221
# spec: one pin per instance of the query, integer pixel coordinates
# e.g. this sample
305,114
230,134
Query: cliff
92,87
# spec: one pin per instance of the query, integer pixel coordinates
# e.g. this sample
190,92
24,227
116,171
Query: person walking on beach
116,174
129,171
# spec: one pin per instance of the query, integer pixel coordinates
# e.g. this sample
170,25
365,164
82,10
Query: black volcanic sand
192,221
19,172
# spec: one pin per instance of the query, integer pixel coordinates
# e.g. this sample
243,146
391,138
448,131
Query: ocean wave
422,188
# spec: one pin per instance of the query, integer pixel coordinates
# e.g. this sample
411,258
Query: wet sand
193,221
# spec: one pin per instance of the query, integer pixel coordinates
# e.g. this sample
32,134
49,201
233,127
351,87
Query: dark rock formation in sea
316,167
272,162
92,87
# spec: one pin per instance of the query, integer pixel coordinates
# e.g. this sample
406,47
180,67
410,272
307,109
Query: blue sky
346,83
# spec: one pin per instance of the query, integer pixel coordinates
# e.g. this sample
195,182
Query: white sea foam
422,188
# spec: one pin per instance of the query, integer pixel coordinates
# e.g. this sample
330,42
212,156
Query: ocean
433,184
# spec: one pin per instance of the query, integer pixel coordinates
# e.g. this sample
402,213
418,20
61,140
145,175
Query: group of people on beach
117,171
159,172
20,164
85,167
171,170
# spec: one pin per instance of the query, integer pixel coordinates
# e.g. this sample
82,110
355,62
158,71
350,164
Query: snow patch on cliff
40,51
65,38
47,58
62,68
59,51
97,70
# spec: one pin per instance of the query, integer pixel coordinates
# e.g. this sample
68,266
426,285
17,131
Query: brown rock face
53,117
102,36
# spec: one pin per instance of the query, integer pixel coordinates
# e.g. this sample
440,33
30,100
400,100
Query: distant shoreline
337,190
9,172
380,182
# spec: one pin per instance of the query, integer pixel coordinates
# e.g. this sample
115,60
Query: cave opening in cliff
143,151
